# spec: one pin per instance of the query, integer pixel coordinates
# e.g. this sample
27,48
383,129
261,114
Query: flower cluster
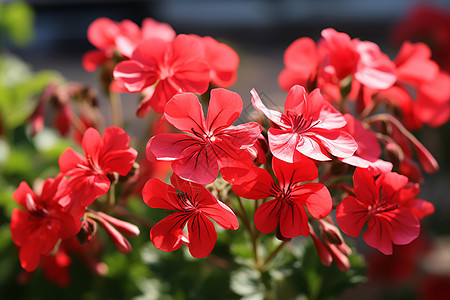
58,210
342,142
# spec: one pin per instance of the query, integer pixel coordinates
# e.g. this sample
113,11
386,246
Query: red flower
286,212
310,126
211,144
223,61
88,173
177,66
388,206
335,58
193,205
427,23
301,60
109,36
37,229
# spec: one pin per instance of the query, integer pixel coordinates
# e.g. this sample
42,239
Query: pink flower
310,126
209,145
387,205
193,205
88,173
43,222
177,66
286,211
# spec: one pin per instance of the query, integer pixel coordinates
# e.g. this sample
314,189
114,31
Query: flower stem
116,109
274,253
253,233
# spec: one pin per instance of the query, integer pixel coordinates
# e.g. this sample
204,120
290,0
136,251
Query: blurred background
260,31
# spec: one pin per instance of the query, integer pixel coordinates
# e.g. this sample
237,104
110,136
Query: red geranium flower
194,205
222,60
286,212
211,144
109,36
310,126
37,229
88,173
335,58
177,66
388,206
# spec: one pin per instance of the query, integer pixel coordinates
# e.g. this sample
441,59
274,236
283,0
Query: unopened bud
125,227
121,243
324,255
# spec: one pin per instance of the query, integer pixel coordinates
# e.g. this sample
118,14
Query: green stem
274,253
253,233
116,109
112,195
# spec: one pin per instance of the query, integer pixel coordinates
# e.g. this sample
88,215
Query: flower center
299,123
35,209
186,203
283,194
382,206
165,72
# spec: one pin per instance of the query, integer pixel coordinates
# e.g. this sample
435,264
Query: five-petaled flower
43,222
310,126
389,207
210,145
193,205
88,173
286,211
175,66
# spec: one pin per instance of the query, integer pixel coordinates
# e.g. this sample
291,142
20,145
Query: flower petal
283,145
222,214
316,198
171,146
199,165
303,169
20,195
92,59
254,183
351,215
293,221
267,216
310,147
202,236
70,160
224,108
378,235
134,75
365,188
167,234
184,111
338,142
91,143
158,194
272,115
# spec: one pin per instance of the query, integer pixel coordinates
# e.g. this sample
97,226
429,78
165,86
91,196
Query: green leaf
18,20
